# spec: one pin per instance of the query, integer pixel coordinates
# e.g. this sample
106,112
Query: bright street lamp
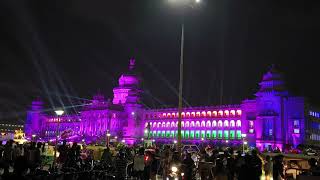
59,112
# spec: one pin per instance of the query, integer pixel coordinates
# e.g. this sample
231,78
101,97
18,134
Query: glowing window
250,130
232,123
164,115
214,123
203,114
146,125
187,124
154,124
193,114
220,113
208,134
219,134
226,134
198,114
214,134
232,112
172,124
239,112
187,135
209,113
197,134
191,134
168,115
238,134
183,114
159,124
163,124
208,124
192,124
182,124
232,134
238,123
203,124
203,134
214,113
226,113
173,115
220,123
226,123
168,125
197,124
177,124
188,114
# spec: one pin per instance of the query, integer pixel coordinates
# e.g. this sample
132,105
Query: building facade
273,118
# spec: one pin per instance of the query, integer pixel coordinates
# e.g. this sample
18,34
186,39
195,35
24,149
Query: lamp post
183,4
243,142
58,113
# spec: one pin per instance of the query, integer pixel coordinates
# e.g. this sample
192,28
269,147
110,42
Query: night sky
66,51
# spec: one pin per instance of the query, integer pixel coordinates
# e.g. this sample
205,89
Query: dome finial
132,63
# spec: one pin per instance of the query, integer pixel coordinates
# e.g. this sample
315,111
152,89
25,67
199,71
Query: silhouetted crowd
18,161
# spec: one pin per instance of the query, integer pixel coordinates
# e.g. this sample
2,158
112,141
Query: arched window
146,125
226,123
159,124
164,115
208,124
182,124
183,114
209,113
197,124
168,125
220,113
193,114
214,113
232,113
239,112
168,115
203,124
238,123
192,124
154,124
163,124
226,113
188,114
187,124
198,114
172,124
203,114
173,115
219,123
176,124
214,123
232,123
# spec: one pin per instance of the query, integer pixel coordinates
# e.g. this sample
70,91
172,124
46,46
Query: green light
208,134
238,134
226,134
187,135
219,134
197,134
214,134
192,134
232,134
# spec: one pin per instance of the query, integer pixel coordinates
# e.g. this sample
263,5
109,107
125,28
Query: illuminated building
273,118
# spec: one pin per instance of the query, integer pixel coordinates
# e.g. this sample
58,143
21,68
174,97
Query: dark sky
66,50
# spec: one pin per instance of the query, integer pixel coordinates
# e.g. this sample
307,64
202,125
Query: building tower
128,95
34,118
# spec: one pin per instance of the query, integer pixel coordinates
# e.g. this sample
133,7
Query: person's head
121,154
74,145
188,155
268,158
141,151
64,142
39,144
312,162
254,152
